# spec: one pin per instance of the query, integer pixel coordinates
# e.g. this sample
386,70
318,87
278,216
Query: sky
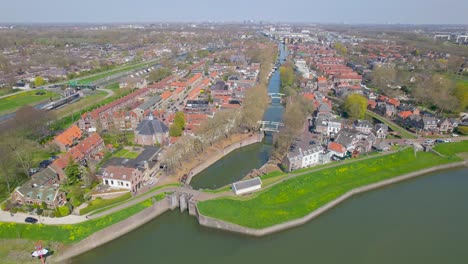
314,11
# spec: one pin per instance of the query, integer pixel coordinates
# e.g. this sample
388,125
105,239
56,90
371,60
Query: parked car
45,163
30,220
33,171
52,158
429,141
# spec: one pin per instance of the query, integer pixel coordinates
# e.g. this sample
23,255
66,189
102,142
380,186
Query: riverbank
114,231
227,226
297,197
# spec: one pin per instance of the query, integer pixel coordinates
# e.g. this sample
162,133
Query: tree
179,119
383,76
175,130
341,49
39,81
355,106
73,172
287,74
158,74
461,93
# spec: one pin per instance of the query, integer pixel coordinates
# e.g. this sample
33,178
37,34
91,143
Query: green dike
68,233
301,195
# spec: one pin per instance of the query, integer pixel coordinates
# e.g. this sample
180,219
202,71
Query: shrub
64,210
44,206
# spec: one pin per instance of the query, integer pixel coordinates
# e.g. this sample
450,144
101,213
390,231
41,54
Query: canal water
424,220
238,163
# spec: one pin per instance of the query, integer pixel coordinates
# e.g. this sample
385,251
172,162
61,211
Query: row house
88,149
68,138
90,120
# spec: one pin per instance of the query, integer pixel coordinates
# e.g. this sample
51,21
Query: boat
39,253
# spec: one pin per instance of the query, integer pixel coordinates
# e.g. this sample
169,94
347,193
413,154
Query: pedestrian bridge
276,95
269,126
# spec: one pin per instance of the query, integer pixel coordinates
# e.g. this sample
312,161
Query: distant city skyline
312,11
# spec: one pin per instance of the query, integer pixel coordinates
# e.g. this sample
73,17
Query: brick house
42,188
122,177
85,150
68,138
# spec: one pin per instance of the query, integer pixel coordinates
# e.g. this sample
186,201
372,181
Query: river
424,220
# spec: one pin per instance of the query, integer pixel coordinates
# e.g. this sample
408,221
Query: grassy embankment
69,233
115,71
15,101
104,206
101,203
301,195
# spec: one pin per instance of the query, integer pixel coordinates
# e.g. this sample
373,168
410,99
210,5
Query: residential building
68,138
42,188
381,130
364,126
122,178
303,157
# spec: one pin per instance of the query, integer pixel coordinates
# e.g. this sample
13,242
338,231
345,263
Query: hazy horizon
293,11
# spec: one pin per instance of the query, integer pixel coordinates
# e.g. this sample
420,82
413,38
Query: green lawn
101,203
68,233
15,101
301,195
127,154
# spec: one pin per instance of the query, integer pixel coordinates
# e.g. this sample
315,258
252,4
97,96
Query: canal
424,220
227,170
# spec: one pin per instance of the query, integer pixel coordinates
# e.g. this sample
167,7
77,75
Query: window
126,184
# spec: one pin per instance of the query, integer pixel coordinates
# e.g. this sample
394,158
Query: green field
127,154
15,101
301,195
101,203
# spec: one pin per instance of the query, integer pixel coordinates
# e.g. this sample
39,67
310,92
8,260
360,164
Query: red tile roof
336,147
68,136
405,114
166,95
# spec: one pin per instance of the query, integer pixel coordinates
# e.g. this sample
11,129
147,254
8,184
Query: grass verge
100,203
301,195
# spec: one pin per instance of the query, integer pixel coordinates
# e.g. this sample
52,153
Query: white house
122,177
303,157
247,186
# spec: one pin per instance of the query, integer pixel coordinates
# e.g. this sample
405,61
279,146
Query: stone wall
112,232
219,224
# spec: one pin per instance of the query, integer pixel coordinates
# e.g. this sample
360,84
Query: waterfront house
122,177
303,156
